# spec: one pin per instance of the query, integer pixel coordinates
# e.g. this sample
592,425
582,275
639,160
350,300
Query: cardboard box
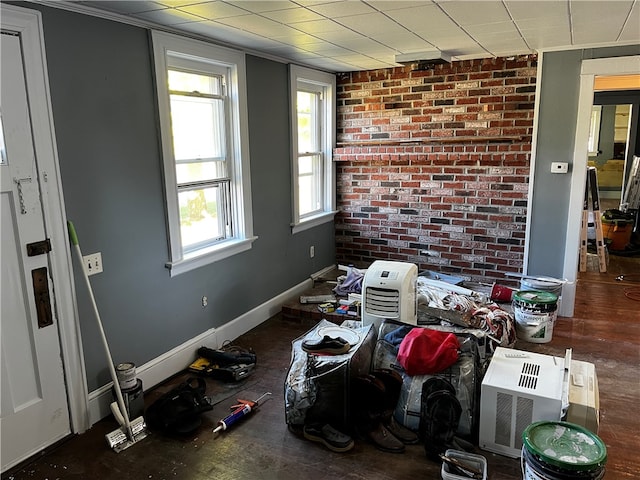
584,396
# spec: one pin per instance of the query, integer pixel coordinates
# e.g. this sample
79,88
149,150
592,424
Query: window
313,132
202,106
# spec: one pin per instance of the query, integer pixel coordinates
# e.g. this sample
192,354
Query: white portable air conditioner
389,292
520,388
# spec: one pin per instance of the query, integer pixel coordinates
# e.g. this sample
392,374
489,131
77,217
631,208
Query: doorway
43,385
591,69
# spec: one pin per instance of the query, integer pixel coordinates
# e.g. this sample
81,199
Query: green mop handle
72,233
73,236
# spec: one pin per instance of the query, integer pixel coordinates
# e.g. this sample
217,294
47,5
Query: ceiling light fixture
423,60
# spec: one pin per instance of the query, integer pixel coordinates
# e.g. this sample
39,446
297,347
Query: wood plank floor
605,330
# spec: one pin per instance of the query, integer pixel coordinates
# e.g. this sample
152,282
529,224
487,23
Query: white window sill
314,221
210,255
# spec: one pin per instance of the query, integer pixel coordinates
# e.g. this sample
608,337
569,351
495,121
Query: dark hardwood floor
605,330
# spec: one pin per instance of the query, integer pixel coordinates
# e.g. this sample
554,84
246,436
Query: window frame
170,51
307,79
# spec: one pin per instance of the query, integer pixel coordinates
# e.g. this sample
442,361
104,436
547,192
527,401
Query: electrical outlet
93,263
312,251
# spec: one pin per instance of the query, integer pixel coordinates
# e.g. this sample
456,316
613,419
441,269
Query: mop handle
123,409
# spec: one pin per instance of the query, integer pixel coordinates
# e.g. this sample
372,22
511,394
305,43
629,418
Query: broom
130,431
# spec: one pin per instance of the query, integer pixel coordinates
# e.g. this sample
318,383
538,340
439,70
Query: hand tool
240,410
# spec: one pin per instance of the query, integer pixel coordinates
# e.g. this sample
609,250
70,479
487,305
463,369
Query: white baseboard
176,360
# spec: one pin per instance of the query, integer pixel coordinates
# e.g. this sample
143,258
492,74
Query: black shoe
384,440
327,346
402,433
329,436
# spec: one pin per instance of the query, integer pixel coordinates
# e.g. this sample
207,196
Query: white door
34,409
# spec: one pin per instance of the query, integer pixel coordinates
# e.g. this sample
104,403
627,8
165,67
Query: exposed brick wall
436,160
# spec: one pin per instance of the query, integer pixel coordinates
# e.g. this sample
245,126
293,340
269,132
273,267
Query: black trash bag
178,411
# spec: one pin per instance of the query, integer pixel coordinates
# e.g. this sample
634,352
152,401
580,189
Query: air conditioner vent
529,375
382,302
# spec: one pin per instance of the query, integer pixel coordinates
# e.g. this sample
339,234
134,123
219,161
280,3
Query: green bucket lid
535,296
565,445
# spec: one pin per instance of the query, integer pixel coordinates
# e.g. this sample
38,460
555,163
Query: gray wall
559,89
104,108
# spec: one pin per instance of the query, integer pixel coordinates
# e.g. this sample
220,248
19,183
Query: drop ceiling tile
264,5
631,31
589,12
422,19
214,10
341,9
541,11
297,39
293,15
257,24
372,24
328,50
540,38
501,41
489,28
225,34
125,8
475,13
559,23
168,16
317,27
585,34
390,5
181,3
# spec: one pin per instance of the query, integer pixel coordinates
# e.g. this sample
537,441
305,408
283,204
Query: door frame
588,72
29,24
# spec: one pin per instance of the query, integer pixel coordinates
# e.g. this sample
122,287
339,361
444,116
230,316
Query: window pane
305,165
305,193
202,215
307,122
189,172
193,82
309,184
198,127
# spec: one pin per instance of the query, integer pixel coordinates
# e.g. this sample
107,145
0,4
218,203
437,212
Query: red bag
424,351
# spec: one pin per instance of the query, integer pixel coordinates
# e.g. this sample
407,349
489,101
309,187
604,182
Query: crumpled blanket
351,284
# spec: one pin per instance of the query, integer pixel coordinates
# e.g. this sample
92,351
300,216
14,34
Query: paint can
126,373
562,451
535,313
133,399
544,284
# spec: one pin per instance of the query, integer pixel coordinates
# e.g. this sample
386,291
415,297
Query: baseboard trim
177,359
